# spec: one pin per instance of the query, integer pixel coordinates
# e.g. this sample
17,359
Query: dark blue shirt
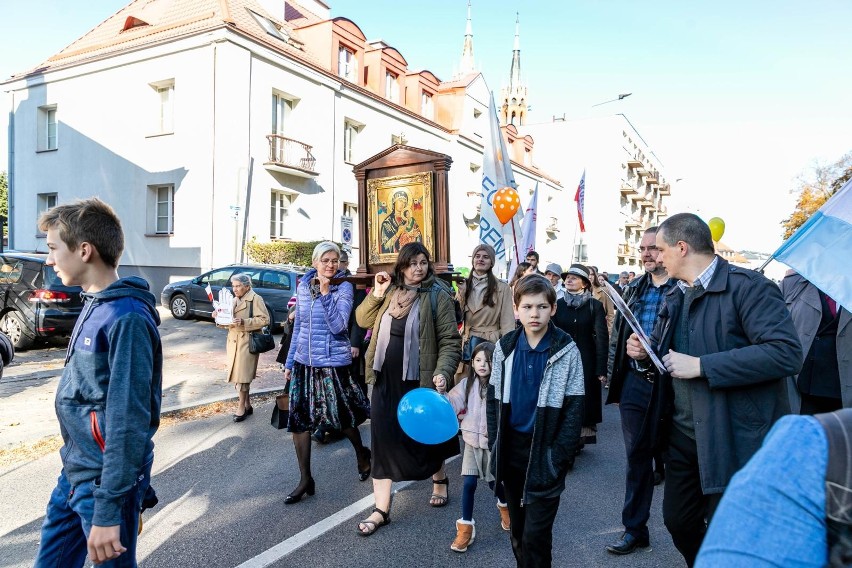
527,371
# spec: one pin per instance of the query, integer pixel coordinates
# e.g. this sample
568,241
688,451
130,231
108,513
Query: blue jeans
69,520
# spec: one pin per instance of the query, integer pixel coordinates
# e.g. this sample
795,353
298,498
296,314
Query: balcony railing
290,156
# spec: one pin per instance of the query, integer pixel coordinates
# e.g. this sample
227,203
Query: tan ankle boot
505,523
465,533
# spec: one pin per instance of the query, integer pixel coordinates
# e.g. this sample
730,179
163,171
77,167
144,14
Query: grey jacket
740,329
802,300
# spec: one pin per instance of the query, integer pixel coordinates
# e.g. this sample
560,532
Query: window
391,87
45,202
350,134
221,277
47,132
281,109
426,107
164,117
399,139
274,280
347,64
164,209
279,210
270,27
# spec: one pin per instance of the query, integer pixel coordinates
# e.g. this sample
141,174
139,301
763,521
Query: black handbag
280,412
260,341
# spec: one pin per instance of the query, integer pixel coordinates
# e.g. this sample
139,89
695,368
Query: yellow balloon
717,228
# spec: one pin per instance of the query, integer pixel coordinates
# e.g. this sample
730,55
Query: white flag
497,174
528,228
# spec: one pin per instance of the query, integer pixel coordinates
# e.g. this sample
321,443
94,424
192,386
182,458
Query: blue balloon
427,417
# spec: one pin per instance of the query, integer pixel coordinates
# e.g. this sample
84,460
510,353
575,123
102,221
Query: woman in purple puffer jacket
322,390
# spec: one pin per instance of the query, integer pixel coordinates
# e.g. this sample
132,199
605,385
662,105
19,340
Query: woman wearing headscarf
486,303
250,314
583,318
411,347
323,391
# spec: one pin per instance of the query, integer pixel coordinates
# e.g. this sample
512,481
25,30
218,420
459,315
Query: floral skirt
325,396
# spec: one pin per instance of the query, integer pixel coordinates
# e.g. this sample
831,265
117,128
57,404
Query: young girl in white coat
468,400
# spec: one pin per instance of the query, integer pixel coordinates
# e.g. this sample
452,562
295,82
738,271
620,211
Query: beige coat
489,323
609,309
242,365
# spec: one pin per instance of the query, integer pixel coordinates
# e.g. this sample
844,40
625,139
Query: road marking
315,531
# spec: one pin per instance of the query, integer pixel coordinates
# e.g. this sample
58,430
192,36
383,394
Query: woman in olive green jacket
410,347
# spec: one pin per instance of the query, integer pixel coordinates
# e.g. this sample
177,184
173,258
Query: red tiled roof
154,21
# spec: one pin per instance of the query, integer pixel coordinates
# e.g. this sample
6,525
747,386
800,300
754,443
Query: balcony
653,177
665,189
633,163
290,156
627,190
632,223
625,251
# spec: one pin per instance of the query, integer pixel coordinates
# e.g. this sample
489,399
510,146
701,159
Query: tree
815,188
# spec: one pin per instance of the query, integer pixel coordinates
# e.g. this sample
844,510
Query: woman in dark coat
584,319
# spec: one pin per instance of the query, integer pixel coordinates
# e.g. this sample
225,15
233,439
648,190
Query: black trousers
532,523
819,404
639,483
686,509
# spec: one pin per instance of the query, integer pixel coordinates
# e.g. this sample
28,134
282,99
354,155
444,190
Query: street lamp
620,97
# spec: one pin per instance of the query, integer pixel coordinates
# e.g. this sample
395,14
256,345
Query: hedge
281,252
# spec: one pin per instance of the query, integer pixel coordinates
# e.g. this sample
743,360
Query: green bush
281,252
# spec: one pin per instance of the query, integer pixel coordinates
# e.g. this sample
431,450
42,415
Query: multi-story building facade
625,190
207,123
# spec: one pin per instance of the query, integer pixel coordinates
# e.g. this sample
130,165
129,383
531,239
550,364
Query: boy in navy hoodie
108,399
535,411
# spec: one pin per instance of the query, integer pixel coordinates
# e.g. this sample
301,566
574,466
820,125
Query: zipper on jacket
311,333
77,329
96,430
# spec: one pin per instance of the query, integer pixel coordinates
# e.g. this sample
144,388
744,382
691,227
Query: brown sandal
442,500
373,526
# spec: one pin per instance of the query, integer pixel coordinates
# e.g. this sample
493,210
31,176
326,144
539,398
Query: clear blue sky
737,98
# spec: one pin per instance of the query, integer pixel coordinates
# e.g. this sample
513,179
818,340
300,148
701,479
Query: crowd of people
523,364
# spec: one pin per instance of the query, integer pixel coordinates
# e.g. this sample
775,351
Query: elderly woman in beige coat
250,314
487,304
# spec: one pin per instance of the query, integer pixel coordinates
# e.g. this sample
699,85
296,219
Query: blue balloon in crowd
427,417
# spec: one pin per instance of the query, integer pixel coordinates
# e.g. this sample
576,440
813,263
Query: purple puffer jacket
320,330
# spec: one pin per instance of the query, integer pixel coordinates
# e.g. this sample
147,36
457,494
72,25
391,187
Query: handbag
260,341
280,412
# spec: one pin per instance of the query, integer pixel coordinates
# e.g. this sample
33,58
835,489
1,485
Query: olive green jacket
440,342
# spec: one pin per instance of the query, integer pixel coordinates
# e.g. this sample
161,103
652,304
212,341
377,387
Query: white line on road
315,531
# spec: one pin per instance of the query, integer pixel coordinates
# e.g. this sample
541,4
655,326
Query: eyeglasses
328,261
651,248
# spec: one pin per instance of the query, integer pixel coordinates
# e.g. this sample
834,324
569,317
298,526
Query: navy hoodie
108,399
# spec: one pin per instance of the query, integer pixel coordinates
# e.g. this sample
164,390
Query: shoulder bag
260,341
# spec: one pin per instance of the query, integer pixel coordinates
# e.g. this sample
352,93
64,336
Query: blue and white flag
497,174
528,228
821,250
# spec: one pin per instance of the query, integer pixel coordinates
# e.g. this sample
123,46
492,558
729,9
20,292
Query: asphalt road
222,486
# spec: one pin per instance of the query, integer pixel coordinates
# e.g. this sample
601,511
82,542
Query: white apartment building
625,190
208,123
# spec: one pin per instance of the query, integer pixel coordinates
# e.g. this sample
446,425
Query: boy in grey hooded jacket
108,399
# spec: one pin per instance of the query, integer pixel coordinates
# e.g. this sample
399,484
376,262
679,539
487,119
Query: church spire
514,97
467,53
515,74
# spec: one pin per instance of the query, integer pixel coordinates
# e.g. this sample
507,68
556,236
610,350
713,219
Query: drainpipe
10,176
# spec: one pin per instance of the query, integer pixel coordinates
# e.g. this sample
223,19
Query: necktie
832,305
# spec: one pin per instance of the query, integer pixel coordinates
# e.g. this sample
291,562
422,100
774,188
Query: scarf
577,300
411,346
401,301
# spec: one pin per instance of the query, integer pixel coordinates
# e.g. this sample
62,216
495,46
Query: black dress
586,325
395,455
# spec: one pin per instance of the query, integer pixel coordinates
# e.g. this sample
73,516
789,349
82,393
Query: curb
195,404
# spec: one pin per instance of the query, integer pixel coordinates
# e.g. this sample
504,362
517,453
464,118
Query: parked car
36,304
276,284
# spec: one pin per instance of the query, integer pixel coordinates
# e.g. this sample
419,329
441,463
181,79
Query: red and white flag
580,198
209,292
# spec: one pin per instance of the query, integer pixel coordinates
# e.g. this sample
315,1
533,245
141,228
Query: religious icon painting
399,212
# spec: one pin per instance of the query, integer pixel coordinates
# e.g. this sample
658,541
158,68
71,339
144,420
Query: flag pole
573,241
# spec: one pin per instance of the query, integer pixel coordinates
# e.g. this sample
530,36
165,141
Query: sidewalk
193,375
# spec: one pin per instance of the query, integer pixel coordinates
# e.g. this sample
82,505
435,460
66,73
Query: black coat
587,327
742,332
